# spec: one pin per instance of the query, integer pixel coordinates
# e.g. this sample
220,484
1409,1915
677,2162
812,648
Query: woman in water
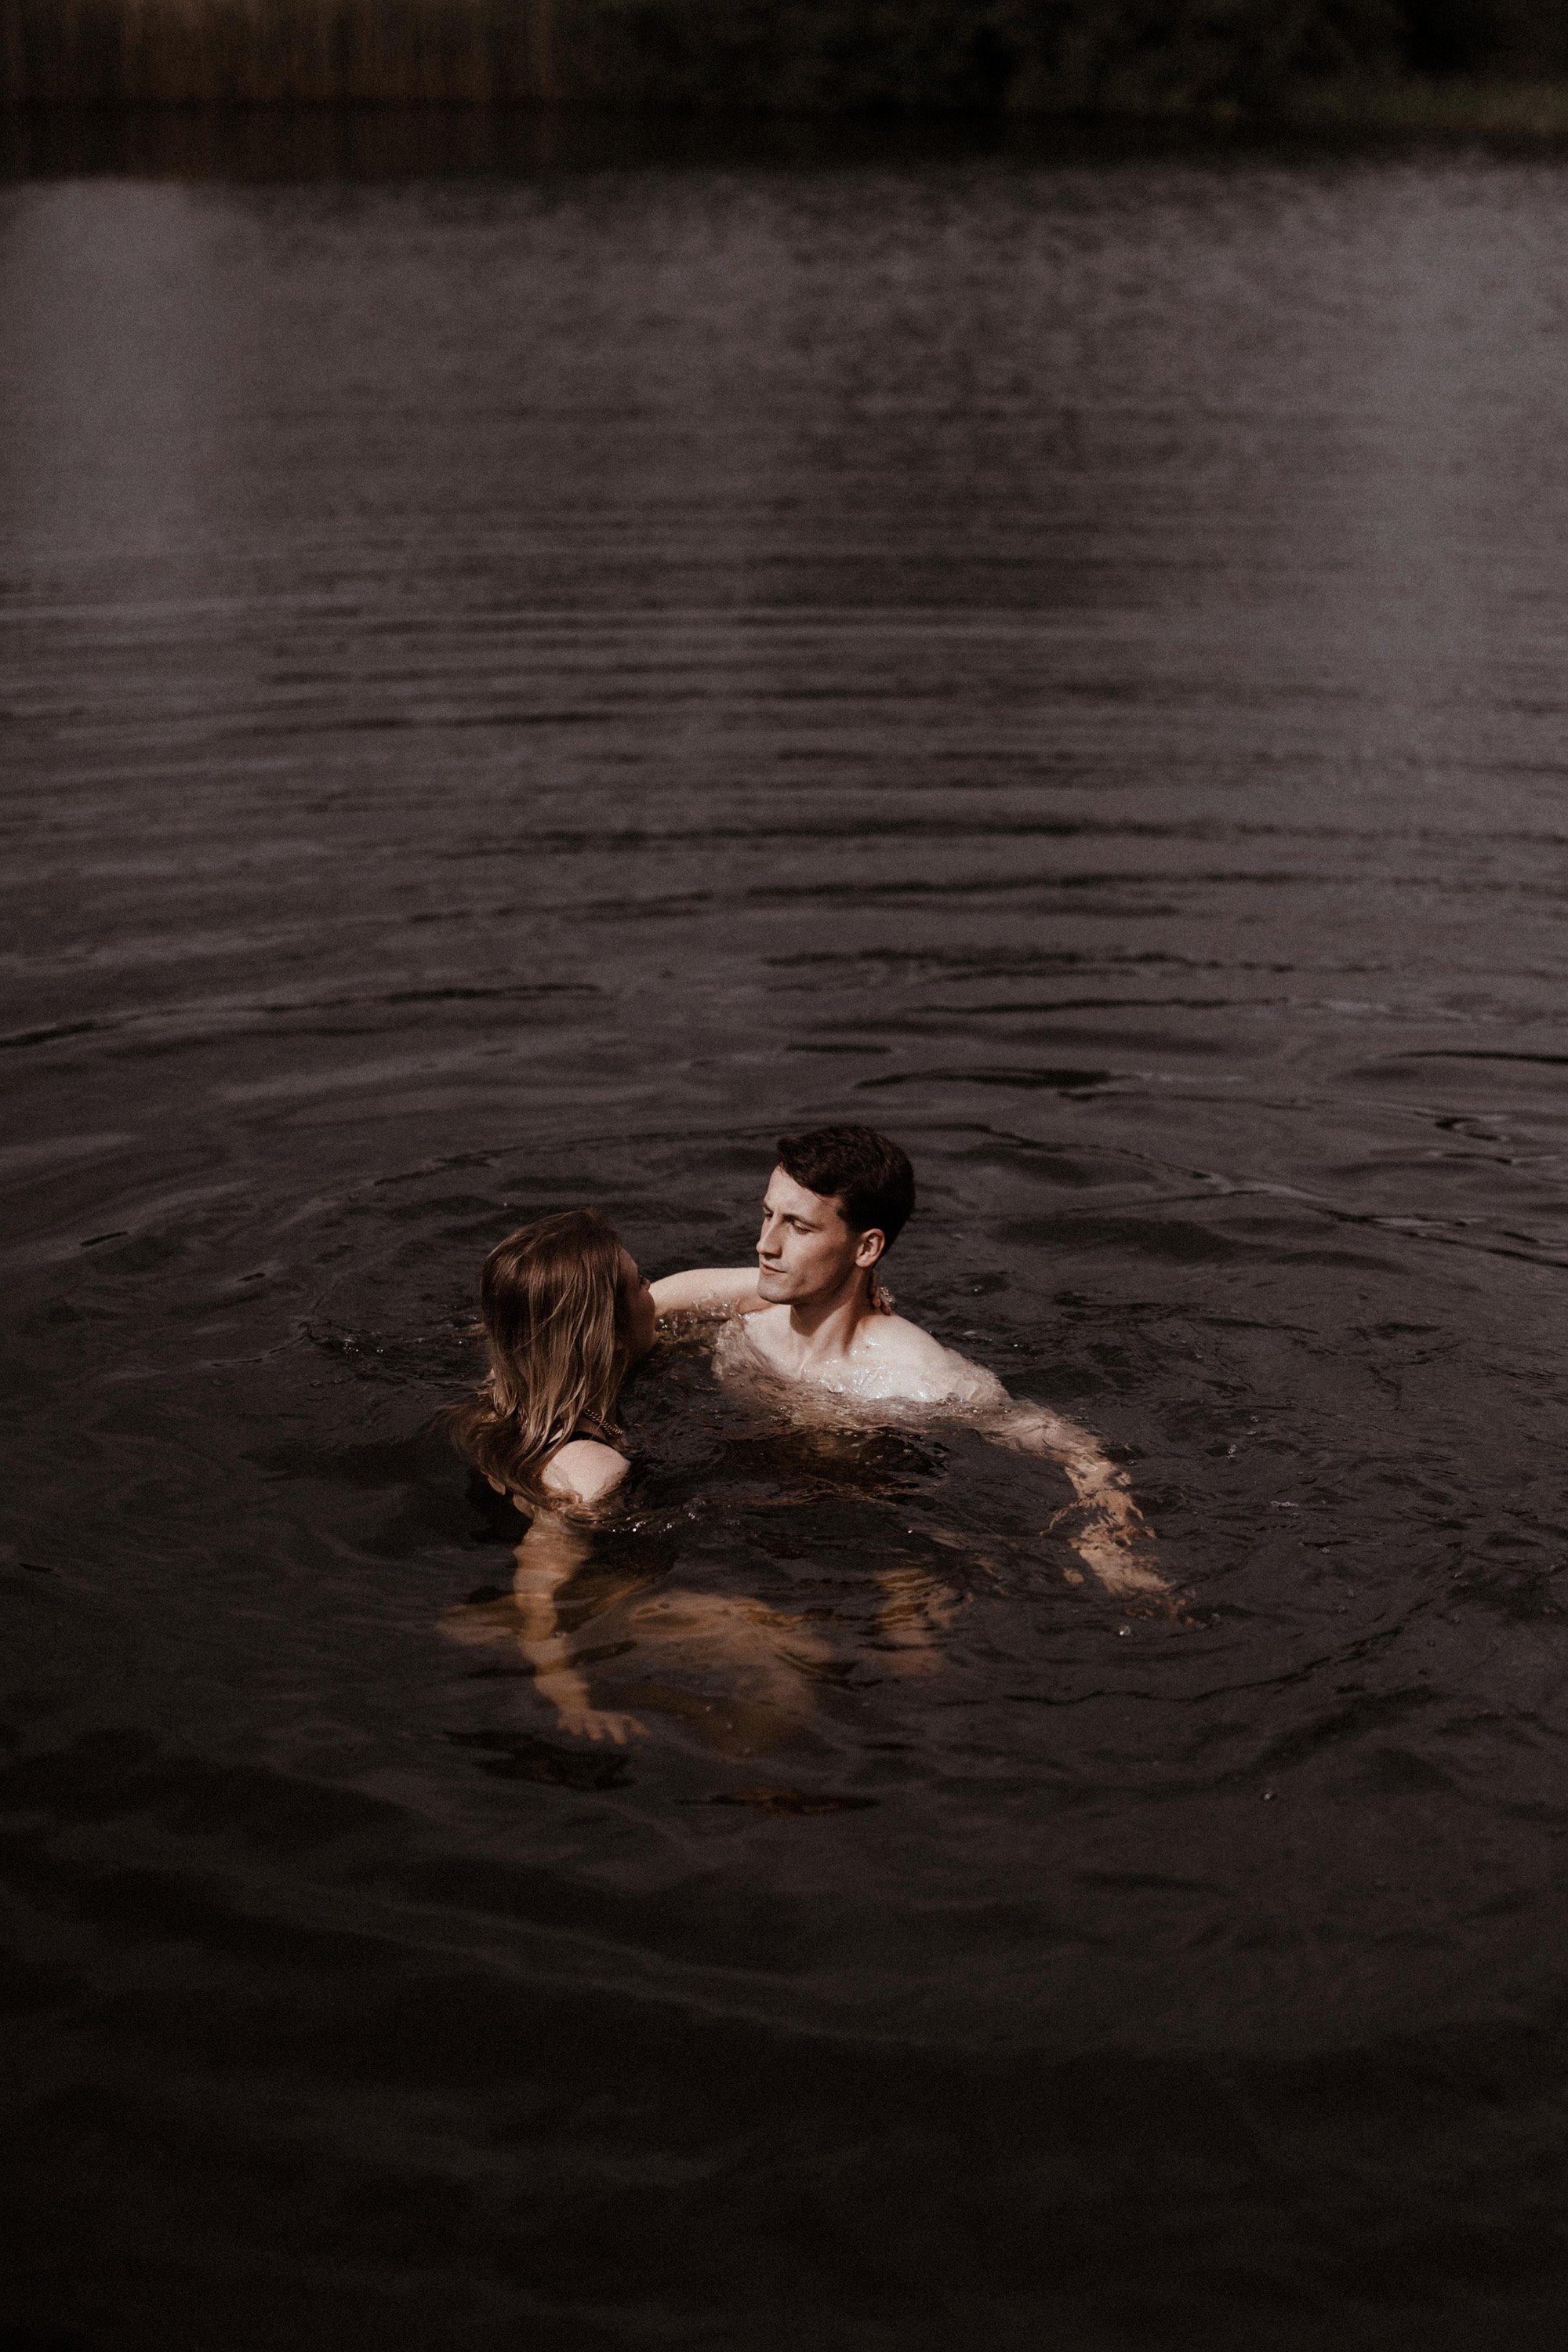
565,1315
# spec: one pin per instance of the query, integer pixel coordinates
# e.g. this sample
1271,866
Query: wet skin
811,1317
814,1315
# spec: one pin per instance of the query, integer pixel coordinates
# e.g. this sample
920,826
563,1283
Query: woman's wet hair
554,1315
869,1176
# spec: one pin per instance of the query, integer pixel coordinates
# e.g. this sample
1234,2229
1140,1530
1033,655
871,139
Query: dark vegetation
1238,59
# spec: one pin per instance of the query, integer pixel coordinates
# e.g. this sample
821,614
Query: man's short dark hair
869,1175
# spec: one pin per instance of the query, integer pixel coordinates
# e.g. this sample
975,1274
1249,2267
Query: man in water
811,1316
811,1325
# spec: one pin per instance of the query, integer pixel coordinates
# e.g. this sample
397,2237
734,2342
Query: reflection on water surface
518,690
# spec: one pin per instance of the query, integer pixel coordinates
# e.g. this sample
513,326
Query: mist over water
516,691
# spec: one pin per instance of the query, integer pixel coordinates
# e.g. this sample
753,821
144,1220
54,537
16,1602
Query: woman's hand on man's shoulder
708,1289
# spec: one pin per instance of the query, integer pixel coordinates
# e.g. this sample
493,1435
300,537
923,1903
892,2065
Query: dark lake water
517,687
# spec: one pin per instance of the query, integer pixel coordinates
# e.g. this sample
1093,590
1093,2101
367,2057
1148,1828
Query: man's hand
1105,1527
1113,1538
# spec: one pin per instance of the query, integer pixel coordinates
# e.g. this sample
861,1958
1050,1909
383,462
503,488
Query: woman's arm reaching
710,1289
549,1556
1112,1538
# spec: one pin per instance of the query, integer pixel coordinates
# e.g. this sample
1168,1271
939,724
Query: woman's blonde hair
553,1312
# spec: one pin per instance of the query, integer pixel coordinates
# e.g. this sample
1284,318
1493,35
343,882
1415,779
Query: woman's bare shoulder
583,1471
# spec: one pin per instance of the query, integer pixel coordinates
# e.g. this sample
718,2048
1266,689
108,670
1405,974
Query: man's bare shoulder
906,1361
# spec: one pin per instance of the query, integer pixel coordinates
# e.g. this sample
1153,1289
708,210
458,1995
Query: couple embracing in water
567,1314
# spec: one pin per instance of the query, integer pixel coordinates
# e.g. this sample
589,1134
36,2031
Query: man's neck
825,1326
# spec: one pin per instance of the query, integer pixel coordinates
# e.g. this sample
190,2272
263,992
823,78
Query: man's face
806,1250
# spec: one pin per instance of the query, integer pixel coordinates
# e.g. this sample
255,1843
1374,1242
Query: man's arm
1107,1529
708,1289
1113,1538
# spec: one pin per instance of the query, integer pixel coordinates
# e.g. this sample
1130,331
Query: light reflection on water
516,692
